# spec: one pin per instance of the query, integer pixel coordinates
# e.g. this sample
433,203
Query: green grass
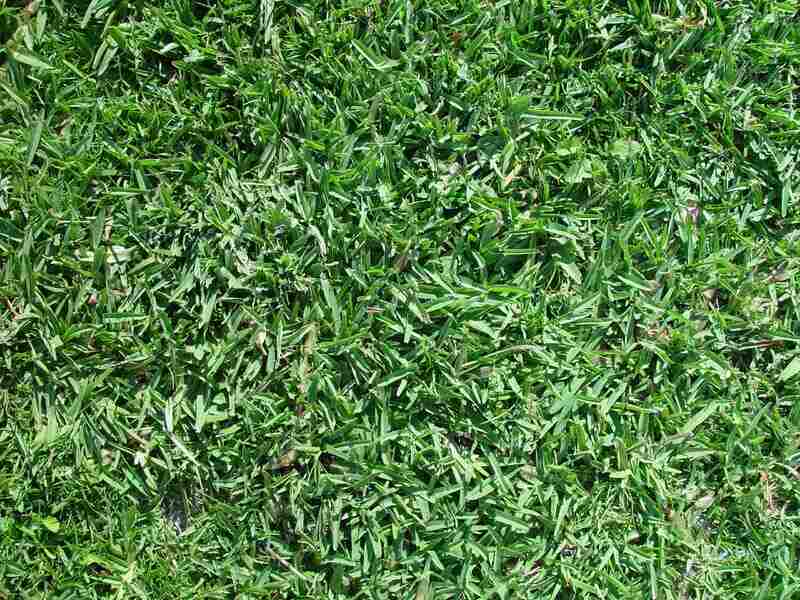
399,299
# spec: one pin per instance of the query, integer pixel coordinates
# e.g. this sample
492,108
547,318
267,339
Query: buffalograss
399,299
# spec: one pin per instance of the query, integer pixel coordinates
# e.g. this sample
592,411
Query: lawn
402,299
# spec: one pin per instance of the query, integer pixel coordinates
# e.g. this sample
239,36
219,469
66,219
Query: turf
399,299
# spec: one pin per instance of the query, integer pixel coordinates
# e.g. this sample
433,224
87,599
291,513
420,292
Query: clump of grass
399,299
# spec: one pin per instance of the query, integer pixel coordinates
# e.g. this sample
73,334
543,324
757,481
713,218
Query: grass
399,299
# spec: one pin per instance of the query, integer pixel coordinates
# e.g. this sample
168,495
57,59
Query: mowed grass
399,299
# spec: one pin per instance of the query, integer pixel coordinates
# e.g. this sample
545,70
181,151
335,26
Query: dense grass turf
399,299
